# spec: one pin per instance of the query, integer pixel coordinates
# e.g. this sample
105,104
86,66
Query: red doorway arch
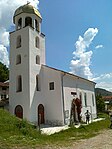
19,111
41,114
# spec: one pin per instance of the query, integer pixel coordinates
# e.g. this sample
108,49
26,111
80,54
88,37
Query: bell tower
27,54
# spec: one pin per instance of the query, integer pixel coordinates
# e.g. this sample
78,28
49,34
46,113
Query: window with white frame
28,21
51,86
37,42
18,42
37,83
80,96
19,83
38,59
85,99
20,23
36,25
93,102
18,59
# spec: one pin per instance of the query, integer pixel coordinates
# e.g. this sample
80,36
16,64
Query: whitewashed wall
78,85
56,102
51,99
19,98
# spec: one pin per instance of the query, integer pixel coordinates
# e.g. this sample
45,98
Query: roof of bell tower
27,8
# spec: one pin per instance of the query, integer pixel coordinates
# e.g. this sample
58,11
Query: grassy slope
18,133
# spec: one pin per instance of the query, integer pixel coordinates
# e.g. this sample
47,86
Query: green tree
100,104
4,73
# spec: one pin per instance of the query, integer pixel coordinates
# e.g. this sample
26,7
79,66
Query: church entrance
75,111
19,111
41,114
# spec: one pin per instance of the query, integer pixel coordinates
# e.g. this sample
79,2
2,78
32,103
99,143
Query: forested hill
4,73
102,92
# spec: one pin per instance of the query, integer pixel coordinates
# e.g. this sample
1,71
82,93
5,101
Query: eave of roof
68,73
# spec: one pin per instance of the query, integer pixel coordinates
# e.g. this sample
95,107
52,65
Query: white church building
37,92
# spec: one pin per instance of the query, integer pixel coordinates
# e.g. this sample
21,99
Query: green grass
19,133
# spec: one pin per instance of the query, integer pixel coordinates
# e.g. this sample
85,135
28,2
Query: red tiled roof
4,84
107,98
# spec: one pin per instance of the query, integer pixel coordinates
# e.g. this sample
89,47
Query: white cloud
105,85
4,37
99,46
103,76
80,64
104,81
7,8
4,56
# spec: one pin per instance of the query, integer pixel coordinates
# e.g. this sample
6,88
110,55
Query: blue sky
82,27
64,21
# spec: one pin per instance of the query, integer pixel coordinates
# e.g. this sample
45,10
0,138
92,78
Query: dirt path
101,141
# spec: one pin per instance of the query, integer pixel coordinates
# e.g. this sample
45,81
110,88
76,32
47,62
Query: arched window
28,21
19,111
18,59
37,83
37,42
18,42
36,25
20,23
38,59
19,84
85,99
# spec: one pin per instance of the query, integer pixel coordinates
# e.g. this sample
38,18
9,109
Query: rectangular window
3,96
37,83
93,99
4,88
18,59
73,93
18,42
85,99
51,86
19,84
37,42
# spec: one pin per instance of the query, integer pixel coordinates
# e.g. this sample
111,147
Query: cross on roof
28,2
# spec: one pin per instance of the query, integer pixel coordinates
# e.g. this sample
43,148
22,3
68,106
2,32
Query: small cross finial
28,2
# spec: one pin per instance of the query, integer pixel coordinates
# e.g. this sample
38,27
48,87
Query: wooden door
19,111
41,114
